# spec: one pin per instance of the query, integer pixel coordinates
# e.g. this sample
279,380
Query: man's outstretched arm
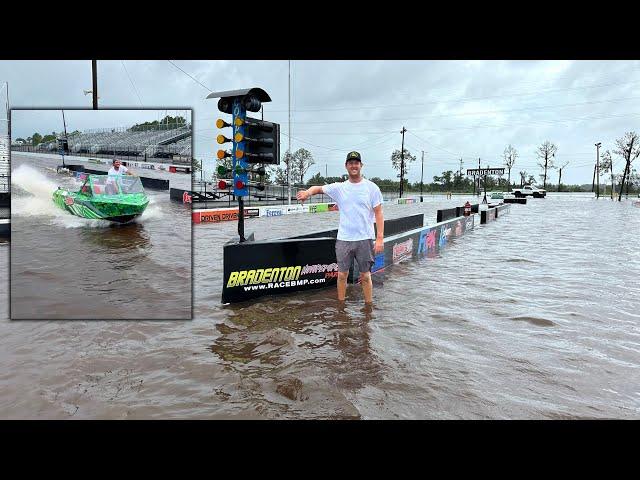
302,195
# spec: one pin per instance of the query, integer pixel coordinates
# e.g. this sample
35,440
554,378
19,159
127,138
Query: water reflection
300,349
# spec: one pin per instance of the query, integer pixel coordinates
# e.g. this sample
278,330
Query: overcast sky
451,109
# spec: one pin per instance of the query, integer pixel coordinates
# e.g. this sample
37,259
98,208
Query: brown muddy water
534,316
66,267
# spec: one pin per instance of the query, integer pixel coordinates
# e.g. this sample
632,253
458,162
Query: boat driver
117,170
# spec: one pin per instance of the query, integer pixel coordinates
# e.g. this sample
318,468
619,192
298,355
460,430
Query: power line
460,100
132,84
190,76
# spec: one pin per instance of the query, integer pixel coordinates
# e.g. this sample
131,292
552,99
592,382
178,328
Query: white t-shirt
356,202
121,171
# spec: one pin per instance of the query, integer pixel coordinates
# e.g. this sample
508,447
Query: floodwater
66,267
534,316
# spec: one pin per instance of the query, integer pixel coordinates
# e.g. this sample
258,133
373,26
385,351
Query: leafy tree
396,160
36,138
302,161
317,179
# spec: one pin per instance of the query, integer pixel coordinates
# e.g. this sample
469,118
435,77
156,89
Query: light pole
598,169
402,160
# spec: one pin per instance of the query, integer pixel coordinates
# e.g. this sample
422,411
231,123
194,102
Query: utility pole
94,74
478,177
402,161
421,175
593,182
8,116
598,169
289,151
326,166
560,177
66,139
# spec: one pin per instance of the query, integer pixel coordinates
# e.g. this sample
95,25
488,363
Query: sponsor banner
272,212
251,212
402,250
423,241
215,216
319,207
186,198
406,201
254,269
485,171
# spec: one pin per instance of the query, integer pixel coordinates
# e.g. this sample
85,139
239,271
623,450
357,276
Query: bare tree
606,165
523,177
510,154
546,153
302,161
629,149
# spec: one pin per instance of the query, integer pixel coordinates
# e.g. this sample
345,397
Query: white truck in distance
530,190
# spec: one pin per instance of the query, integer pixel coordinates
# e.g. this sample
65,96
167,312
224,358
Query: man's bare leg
367,286
342,285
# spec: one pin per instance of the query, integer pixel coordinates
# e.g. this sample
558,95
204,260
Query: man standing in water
359,201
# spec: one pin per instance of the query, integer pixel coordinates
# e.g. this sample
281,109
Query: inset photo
95,233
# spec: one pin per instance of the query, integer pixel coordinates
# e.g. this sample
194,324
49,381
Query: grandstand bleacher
162,141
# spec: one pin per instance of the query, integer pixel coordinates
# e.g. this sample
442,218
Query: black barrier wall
5,199
446,214
152,183
392,226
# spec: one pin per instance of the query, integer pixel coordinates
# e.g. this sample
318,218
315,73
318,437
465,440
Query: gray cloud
452,109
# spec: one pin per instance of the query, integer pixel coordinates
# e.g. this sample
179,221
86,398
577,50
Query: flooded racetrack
532,316
67,267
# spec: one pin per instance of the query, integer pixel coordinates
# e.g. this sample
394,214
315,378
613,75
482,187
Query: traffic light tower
253,141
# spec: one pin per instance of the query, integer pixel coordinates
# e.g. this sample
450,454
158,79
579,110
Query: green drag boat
115,198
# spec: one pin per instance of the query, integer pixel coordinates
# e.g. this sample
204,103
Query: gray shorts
361,250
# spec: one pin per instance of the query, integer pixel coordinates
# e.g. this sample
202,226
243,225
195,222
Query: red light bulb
222,185
239,184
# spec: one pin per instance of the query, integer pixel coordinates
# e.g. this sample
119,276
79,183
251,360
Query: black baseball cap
353,156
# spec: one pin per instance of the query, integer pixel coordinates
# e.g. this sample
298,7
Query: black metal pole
66,139
402,161
94,74
421,175
241,219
